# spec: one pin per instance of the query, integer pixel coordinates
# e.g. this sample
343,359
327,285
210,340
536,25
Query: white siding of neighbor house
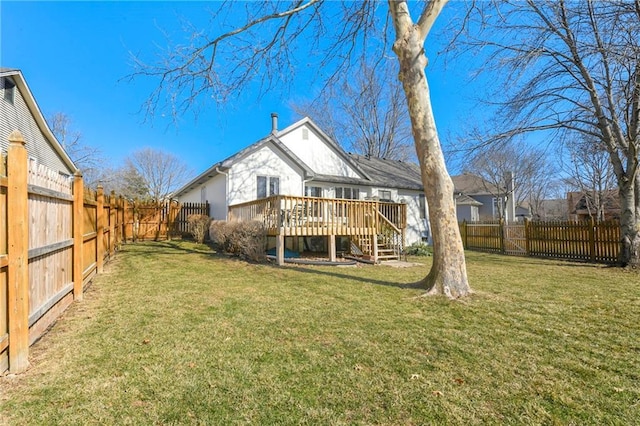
417,228
19,117
316,154
215,193
266,161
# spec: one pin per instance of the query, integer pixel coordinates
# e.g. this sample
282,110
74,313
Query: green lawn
176,334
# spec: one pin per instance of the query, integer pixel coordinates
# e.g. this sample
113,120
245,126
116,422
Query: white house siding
215,194
267,161
316,154
19,117
417,228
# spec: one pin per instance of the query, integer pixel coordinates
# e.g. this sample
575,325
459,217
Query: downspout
304,184
226,191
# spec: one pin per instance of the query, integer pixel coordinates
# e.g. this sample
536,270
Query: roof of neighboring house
35,111
471,184
579,200
390,173
465,200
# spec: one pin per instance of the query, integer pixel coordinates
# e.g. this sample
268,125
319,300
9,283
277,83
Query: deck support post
280,249
332,248
374,247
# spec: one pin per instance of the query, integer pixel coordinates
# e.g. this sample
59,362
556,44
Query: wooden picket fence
55,236
583,241
181,224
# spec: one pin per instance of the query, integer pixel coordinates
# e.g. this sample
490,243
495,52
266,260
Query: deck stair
389,244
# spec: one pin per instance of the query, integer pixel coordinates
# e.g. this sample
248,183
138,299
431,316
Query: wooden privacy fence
586,241
181,225
55,235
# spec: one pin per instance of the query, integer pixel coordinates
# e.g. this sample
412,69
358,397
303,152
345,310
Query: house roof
465,200
471,184
578,200
390,173
337,148
30,100
228,162
374,171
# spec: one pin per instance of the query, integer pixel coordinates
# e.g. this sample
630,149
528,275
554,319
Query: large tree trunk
448,274
629,193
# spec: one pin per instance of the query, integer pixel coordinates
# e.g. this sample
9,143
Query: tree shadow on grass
172,247
411,286
175,247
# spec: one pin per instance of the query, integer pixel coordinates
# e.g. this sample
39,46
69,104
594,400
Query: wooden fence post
112,224
463,231
502,230
17,253
100,230
78,230
120,220
592,241
527,235
125,220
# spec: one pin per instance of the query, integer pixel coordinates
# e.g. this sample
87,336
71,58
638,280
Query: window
9,89
384,195
422,202
268,186
313,191
348,193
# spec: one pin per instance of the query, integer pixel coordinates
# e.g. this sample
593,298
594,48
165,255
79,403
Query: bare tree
157,172
591,174
544,190
263,51
87,158
573,68
126,181
515,173
365,113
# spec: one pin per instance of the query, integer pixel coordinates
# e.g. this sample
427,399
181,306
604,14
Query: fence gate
515,239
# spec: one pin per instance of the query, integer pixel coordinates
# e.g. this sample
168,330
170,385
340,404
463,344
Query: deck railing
308,216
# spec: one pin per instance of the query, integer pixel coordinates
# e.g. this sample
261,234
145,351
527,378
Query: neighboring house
19,111
554,209
599,206
478,199
303,161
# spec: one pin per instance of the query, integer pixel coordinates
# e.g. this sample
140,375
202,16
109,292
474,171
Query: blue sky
75,57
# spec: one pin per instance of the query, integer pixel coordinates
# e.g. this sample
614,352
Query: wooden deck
372,225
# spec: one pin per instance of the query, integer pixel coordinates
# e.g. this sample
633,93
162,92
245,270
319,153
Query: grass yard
176,334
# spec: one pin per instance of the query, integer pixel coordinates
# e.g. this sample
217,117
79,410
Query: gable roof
374,171
471,184
390,173
229,161
35,111
464,200
328,140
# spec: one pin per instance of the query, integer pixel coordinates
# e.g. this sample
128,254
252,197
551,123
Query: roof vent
274,123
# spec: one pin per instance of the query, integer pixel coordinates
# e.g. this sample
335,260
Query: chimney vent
274,123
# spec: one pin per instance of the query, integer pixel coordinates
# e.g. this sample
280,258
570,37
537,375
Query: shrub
244,239
198,225
419,249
